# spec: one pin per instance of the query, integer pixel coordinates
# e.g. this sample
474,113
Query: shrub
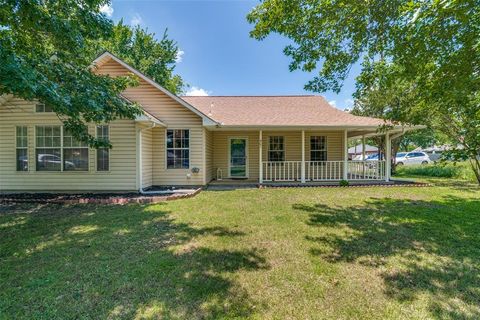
344,183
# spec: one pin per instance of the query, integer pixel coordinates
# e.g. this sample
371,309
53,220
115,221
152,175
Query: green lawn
311,253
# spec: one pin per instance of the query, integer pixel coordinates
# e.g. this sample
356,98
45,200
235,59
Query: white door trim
230,156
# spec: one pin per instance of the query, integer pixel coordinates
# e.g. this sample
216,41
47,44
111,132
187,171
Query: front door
238,158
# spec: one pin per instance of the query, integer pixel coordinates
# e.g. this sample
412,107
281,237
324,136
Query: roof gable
107,56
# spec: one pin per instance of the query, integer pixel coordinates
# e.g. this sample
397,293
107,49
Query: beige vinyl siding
221,151
147,159
292,147
122,174
175,116
209,174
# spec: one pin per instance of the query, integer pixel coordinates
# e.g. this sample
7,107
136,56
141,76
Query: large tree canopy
46,48
430,50
141,50
43,46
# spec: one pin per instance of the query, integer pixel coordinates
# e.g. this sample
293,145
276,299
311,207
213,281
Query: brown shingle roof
276,111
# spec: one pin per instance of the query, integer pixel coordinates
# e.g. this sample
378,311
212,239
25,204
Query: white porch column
303,157
363,148
388,156
363,155
260,154
345,155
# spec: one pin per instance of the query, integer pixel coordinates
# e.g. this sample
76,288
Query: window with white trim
318,148
58,150
48,148
42,107
103,154
75,153
276,149
178,149
21,145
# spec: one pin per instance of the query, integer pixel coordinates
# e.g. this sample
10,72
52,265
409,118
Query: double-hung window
178,149
48,148
276,149
318,148
22,148
57,150
75,153
103,154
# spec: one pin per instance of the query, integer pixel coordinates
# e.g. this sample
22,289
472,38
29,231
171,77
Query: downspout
140,167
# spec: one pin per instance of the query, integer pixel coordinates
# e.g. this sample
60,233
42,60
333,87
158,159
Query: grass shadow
423,247
118,262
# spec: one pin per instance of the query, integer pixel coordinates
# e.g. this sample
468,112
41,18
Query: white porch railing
282,170
322,170
366,170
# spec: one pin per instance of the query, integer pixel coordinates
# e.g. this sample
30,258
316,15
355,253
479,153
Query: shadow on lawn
434,247
118,262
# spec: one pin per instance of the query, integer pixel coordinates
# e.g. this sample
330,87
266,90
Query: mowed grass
298,253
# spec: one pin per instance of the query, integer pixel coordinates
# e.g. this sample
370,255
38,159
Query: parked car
412,158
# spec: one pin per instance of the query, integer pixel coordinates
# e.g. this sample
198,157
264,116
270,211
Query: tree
429,47
43,47
144,52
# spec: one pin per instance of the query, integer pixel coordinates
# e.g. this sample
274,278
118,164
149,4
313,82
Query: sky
217,55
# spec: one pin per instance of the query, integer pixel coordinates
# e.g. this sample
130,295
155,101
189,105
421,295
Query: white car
412,158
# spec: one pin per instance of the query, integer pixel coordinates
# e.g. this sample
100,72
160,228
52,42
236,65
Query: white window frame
282,150
82,147
22,148
41,112
319,150
189,149
96,151
35,147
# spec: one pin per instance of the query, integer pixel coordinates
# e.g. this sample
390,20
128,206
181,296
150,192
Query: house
356,152
185,141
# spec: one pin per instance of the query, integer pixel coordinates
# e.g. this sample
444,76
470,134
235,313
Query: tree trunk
475,163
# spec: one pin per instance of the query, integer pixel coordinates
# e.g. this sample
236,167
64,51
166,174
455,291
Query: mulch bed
92,198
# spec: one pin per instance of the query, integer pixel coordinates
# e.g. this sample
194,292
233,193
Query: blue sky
219,57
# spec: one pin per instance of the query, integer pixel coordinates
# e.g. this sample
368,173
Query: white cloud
107,9
333,103
196,91
179,56
136,20
349,103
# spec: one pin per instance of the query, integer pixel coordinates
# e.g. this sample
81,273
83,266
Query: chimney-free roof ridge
254,96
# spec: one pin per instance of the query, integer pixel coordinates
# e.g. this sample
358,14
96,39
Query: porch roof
301,110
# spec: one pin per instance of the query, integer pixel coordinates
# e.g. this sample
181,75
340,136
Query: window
48,148
22,148
57,152
318,148
276,151
103,154
75,153
178,149
42,107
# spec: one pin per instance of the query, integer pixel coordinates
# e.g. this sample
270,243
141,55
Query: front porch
311,157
